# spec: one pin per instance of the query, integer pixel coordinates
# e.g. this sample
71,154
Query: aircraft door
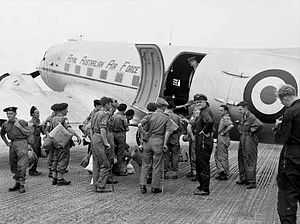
152,75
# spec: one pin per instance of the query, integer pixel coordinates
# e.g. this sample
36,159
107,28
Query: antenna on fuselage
170,36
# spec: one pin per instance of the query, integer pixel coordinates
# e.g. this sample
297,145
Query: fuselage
138,73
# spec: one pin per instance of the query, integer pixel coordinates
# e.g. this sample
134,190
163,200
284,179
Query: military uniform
101,163
192,144
288,178
18,151
204,146
172,156
46,125
119,128
156,125
247,152
61,155
221,153
37,141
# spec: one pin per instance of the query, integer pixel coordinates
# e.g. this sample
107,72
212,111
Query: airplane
136,74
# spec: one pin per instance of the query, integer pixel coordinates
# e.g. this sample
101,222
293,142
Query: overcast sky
29,27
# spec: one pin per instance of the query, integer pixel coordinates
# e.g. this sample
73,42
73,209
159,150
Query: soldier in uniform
159,127
119,128
50,152
204,145
86,125
101,146
194,111
35,124
247,152
172,156
287,131
61,155
18,147
221,153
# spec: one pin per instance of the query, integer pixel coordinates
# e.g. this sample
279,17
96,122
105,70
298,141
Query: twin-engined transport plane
139,73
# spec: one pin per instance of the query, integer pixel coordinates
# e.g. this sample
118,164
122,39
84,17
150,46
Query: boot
251,186
22,189
54,181
61,182
143,189
156,190
15,188
34,173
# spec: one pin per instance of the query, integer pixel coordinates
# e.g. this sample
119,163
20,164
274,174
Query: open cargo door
152,75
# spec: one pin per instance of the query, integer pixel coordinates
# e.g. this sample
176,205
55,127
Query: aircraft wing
22,91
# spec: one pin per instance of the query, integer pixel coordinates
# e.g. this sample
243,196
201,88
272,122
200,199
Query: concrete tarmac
228,203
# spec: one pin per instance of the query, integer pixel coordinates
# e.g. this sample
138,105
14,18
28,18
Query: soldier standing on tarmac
61,155
223,142
172,156
159,127
35,124
204,146
101,146
18,147
247,152
119,128
287,131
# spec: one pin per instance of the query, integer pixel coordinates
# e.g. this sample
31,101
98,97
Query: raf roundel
260,93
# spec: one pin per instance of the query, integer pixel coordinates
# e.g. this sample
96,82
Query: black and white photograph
149,112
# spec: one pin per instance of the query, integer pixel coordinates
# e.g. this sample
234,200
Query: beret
13,109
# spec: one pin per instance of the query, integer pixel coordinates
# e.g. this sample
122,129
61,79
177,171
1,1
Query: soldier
194,111
221,153
111,153
50,152
142,136
119,128
204,146
129,115
35,124
287,131
247,152
172,156
86,125
61,155
159,127
101,146
18,146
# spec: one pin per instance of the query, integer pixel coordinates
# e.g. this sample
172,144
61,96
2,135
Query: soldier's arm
283,132
67,125
171,126
255,125
228,124
3,136
101,121
126,124
209,120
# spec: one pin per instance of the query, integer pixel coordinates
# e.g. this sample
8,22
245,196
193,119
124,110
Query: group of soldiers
158,138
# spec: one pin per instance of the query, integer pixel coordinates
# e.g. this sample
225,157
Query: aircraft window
119,77
77,69
89,71
136,80
103,74
67,67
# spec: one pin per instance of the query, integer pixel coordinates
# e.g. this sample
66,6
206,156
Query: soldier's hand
9,144
107,146
165,148
115,160
193,138
78,140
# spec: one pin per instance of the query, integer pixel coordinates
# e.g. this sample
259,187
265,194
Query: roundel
260,93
